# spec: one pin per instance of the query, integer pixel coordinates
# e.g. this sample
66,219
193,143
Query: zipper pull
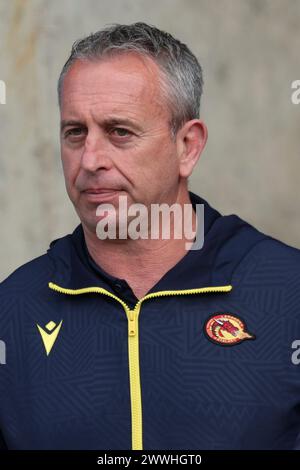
132,323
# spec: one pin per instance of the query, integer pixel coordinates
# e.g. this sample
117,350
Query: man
139,343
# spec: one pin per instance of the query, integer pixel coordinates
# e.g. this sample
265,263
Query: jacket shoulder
28,276
269,261
37,272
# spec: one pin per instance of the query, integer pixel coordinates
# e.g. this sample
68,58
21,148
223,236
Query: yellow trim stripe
133,345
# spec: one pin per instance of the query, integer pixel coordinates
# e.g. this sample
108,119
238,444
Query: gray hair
181,74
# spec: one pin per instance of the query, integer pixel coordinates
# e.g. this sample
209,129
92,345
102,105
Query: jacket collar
227,239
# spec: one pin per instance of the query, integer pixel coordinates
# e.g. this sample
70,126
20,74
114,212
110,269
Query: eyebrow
108,122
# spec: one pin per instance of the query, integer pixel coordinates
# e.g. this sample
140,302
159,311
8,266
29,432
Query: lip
95,194
99,190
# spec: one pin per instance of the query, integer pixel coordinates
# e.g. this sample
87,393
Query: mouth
97,195
99,190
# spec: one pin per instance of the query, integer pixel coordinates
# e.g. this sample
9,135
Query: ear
190,141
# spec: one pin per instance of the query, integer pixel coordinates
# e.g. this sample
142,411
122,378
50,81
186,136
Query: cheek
162,159
166,163
70,168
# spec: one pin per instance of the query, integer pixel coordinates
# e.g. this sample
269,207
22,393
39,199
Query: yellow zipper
133,345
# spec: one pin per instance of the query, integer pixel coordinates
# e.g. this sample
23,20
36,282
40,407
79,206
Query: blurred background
249,51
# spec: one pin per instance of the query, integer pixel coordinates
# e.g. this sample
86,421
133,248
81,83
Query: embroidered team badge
226,329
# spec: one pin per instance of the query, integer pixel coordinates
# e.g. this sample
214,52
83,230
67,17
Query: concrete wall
249,50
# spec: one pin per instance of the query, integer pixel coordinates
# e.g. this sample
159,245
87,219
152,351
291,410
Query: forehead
119,83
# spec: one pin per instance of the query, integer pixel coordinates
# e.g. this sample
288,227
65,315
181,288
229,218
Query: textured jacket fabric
206,360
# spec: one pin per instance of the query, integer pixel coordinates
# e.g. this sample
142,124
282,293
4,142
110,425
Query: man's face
120,141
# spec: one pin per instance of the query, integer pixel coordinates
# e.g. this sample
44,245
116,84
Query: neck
141,262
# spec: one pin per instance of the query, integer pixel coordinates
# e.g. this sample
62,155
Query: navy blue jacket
206,360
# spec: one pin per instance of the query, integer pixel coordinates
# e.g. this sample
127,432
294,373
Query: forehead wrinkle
119,68
114,79
126,107
145,92
108,98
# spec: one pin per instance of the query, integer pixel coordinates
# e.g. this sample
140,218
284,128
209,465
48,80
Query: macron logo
49,335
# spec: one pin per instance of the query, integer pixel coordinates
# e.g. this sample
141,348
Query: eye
121,132
75,131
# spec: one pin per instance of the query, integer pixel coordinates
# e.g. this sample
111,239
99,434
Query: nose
95,155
